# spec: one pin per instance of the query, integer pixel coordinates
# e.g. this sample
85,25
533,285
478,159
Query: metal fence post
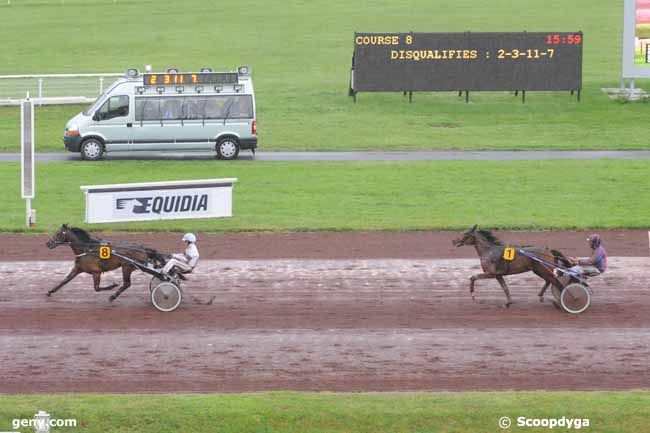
27,163
40,92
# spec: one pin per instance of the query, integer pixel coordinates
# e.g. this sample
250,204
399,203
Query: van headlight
72,129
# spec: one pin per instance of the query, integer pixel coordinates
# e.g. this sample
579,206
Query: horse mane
487,234
561,258
83,235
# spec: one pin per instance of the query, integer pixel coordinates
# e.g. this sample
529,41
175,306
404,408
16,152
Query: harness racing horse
87,258
494,263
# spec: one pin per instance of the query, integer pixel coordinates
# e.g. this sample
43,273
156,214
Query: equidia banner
207,198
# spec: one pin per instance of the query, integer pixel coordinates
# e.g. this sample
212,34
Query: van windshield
100,99
88,111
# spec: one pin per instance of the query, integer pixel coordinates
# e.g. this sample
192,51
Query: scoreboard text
190,78
395,62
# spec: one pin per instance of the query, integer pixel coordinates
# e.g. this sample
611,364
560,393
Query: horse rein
101,243
90,250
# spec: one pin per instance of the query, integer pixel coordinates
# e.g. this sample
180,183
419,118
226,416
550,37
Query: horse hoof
541,299
111,298
49,294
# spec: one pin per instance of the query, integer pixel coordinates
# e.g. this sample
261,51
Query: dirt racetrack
340,312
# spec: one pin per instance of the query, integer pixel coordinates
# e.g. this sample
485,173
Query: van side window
171,109
242,107
194,107
215,107
232,107
147,109
117,106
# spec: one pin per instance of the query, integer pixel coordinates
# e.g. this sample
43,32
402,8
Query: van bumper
72,142
248,143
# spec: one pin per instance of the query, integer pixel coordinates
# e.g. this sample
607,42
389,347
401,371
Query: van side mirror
96,116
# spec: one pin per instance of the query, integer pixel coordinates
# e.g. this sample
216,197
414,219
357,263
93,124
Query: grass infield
300,55
360,196
288,412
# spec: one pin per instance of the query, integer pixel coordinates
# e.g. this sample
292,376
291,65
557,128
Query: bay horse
86,250
491,252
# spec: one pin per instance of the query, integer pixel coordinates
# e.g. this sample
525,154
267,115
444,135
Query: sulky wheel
556,292
575,298
154,282
166,296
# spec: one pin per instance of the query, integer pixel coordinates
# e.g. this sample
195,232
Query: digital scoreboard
401,62
171,79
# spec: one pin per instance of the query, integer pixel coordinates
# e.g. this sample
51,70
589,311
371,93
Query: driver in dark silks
594,265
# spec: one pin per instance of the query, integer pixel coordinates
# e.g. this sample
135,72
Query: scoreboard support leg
410,97
354,97
466,96
523,96
460,93
577,93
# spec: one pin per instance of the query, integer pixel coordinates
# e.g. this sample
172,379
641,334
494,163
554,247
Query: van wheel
228,148
92,150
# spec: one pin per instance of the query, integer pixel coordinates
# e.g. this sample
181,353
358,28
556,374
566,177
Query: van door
239,115
161,124
147,128
226,114
187,129
194,135
113,120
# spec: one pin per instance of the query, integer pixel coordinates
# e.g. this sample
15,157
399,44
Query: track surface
320,324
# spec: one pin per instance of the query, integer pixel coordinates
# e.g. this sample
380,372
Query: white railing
48,89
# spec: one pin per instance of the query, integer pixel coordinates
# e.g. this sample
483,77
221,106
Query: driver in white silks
184,262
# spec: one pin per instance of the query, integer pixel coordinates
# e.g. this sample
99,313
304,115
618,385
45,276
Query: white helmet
189,237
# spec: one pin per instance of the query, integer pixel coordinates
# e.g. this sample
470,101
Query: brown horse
492,254
86,250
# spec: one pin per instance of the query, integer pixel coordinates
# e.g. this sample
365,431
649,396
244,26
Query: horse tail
156,257
560,258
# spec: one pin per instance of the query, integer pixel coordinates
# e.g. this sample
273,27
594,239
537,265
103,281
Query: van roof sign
191,78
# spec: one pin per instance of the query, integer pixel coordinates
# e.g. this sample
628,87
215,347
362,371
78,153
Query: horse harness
99,252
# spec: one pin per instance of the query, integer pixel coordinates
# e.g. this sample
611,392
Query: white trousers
184,267
586,270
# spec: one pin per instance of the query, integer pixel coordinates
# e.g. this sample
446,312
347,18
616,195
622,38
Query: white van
169,111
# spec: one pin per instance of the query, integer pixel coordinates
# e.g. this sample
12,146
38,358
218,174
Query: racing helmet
189,237
594,241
